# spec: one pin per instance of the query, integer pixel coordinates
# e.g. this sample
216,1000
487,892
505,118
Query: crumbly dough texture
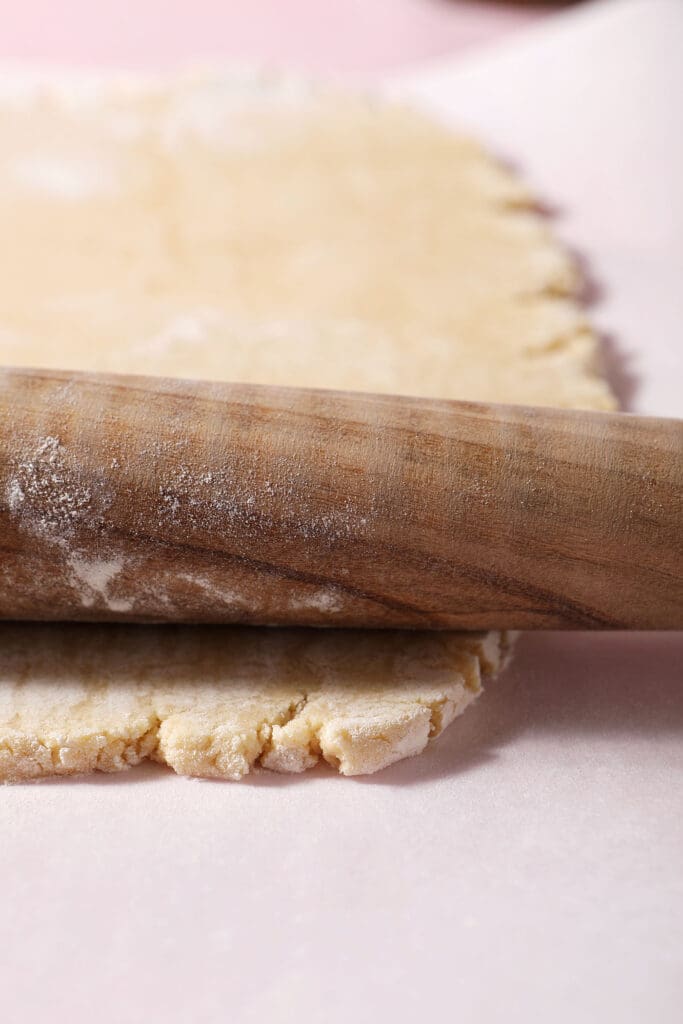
212,701
247,229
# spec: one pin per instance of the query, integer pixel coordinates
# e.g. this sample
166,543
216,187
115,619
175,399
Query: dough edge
290,740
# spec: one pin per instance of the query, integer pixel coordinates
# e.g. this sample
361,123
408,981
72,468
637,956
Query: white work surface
526,868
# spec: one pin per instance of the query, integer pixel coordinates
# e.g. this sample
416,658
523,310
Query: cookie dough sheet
266,232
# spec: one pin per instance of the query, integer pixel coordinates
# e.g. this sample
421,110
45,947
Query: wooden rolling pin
146,499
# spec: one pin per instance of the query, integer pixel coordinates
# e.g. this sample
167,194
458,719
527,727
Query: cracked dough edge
287,741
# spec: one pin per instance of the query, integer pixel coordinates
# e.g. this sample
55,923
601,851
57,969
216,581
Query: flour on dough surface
198,227
212,701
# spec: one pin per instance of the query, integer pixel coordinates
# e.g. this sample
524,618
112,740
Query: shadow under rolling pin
154,500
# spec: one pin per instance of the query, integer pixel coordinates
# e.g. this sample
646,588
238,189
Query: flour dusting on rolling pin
149,499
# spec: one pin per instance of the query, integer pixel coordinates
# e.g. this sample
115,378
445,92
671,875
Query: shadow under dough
568,685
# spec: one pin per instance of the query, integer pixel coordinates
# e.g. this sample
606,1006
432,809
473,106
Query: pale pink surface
527,867
344,35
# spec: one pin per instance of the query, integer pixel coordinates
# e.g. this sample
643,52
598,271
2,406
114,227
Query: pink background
528,866
347,35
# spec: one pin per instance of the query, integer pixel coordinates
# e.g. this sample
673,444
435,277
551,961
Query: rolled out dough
225,228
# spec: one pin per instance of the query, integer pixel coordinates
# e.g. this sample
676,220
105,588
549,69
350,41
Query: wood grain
148,499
